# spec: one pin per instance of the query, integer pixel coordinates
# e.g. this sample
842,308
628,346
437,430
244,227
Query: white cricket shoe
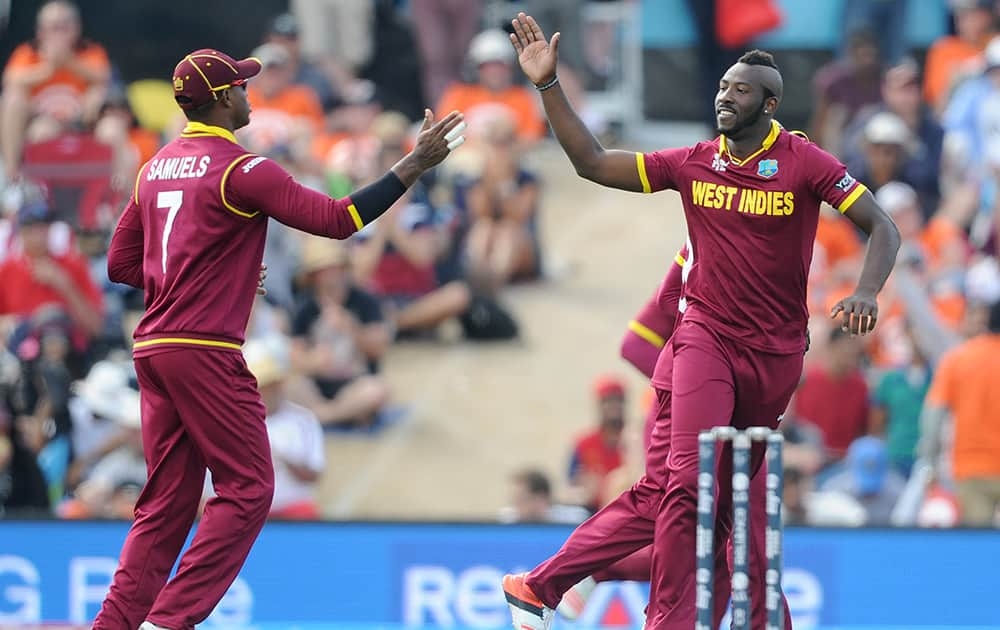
575,600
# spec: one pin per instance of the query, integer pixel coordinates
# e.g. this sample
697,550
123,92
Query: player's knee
259,494
684,479
376,392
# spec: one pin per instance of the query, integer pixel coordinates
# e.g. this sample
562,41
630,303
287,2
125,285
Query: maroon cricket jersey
751,226
192,237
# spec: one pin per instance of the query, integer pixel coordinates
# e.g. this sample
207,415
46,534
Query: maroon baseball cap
202,74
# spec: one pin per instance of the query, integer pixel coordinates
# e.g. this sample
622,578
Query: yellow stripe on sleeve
647,333
222,189
358,223
679,259
640,163
851,198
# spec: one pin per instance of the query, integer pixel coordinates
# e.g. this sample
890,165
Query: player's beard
746,123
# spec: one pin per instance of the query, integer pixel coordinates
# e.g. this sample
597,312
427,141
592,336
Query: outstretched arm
538,57
261,185
860,310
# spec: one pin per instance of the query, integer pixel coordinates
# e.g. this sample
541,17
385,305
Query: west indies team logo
767,168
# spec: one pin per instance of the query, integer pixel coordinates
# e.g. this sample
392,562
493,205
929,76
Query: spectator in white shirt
295,434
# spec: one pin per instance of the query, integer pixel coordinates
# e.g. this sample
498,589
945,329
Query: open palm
536,56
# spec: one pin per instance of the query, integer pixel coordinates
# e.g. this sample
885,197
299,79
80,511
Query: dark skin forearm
538,59
860,310
580,145
883,244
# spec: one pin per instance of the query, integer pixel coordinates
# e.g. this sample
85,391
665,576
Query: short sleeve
942,390
22,58
658,170
830,180
95,56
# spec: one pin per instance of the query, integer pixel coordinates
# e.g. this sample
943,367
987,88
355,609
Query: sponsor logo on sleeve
846,182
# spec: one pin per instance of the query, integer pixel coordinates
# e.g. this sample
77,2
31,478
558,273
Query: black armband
375,198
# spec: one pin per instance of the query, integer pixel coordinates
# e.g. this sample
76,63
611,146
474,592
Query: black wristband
375,198
551,83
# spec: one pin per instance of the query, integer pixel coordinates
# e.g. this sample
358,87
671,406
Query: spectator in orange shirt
37,281
600,451
284,113
965,386
974,27
59,75
493,55
284,31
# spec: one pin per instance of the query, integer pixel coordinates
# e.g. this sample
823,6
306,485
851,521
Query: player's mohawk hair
757,57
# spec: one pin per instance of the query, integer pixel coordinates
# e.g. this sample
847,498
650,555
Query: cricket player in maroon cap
192,237
751,199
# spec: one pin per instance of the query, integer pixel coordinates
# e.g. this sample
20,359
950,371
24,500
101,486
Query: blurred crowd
902,428
73,137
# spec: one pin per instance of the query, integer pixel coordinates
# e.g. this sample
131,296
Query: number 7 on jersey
170,199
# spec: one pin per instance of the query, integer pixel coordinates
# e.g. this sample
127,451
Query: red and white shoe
526,610
575,600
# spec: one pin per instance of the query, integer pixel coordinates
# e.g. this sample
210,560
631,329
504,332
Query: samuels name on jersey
186,167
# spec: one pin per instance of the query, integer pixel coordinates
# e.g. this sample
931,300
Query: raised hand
434,143
536,56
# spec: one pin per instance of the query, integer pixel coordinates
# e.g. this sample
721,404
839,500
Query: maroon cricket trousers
629,523
200,409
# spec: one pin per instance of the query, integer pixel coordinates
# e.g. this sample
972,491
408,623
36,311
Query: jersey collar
772,136
198,130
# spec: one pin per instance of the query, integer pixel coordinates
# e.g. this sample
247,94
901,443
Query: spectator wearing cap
531,501
843,88
294,432
971,118
120,467
284,31
950,55
38,279
338,335
901,96
868,478
95,409
59,75
493,57
61,236
601,451
965,387
890,152
284,113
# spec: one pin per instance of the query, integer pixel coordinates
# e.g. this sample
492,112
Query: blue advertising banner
448,576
